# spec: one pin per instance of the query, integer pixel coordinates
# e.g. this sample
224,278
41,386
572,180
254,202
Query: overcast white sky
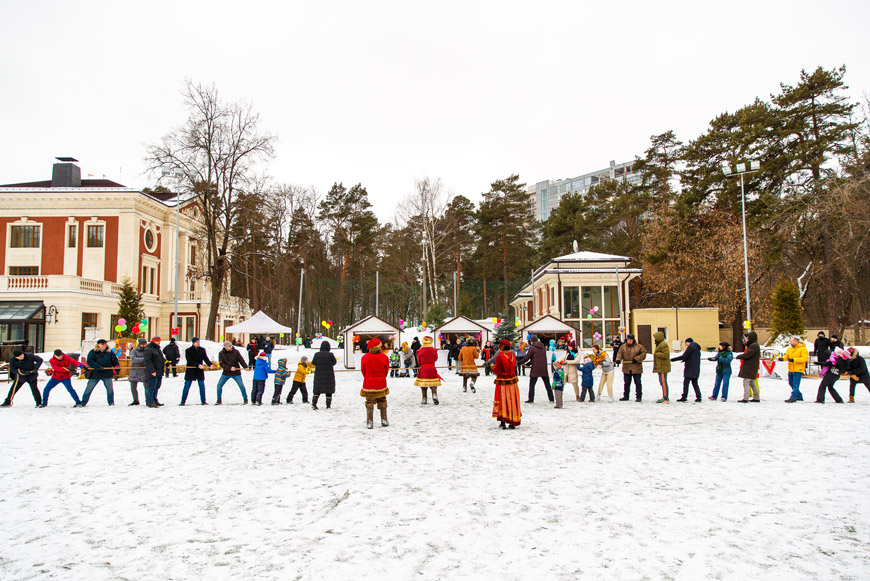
385,92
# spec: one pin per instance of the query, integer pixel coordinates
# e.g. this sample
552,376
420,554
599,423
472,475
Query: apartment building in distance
548,193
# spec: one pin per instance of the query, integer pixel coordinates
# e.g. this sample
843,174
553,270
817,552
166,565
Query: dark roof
85,184
162,196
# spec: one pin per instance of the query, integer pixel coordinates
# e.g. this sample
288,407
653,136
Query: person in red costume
428,377
375,366
506,401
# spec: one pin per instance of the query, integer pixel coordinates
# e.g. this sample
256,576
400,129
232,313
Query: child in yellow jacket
302,372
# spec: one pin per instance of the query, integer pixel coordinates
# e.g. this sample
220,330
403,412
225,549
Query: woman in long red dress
506,402
428,376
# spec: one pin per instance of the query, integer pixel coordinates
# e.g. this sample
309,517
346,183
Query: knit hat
629,336
141,341
557,365
373,342
17,353
428,341
840,352
690,340
504,343
194,340
262,354
587,360
155,339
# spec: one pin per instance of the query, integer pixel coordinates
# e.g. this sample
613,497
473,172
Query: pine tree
506,330
787,313
130,304
435,315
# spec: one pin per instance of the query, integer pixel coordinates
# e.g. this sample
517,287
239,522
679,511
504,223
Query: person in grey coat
691,359
137,370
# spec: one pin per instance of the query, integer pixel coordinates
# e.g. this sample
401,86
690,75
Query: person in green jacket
662,364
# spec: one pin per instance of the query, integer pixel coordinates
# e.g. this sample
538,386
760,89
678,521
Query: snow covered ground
622,490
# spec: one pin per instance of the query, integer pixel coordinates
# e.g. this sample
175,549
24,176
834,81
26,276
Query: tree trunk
217,283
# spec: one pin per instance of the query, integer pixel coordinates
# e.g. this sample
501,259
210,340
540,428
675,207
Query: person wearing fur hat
375,366
427,377
506,399
467,364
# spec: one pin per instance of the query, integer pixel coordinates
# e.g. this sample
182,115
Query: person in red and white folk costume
375,366
428,377
506,401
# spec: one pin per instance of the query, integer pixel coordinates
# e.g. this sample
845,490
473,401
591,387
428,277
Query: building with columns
70,243
588,291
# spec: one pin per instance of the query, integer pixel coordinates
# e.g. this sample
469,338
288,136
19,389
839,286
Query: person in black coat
253,349
617,343
324,374
267,347
835,342
822,348
415,346
172,354
835,367
857,372
154,363
197,360
24,368
537,356
751,358
691,358
101,367
453,353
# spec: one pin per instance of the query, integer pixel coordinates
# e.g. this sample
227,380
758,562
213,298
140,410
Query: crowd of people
561,360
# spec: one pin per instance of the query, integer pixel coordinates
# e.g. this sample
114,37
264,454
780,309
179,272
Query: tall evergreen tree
507,227
130,304
506,330
787,316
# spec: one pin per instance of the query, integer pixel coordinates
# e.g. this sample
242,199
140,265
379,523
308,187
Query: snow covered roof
585,256
371,324
548,324
259,323
591,271
460,324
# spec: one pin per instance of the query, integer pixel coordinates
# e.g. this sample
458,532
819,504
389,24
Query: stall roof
547,323
19,310
459,324
259,323
372,324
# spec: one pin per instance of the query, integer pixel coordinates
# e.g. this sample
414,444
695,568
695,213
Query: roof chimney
66,174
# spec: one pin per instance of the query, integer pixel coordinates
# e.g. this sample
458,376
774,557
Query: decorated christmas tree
507,329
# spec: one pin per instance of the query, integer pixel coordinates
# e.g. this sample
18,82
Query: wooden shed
366,329
460,327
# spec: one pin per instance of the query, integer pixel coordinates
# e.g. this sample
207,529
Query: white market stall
259,324
366,329
460,327
549,327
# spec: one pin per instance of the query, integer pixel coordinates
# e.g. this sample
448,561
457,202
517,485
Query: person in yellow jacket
797,357
302,371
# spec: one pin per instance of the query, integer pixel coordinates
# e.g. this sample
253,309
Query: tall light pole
754,166
177,173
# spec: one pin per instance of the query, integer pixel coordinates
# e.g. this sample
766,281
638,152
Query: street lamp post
177,173
754,166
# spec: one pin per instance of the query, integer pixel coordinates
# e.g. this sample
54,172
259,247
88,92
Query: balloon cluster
747,325
402,324
592,311
496,322
356,338
318,335
517,322
596,336
173,331
139,327
299,340
326,324
621,330
422,327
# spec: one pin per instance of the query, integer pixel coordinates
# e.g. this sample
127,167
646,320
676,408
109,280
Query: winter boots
558,399
328,402
370,414
435,394
384,421
314,402
424,402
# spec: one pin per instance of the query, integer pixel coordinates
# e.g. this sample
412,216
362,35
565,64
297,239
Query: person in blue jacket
585,370
723,359
691,358
261,374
